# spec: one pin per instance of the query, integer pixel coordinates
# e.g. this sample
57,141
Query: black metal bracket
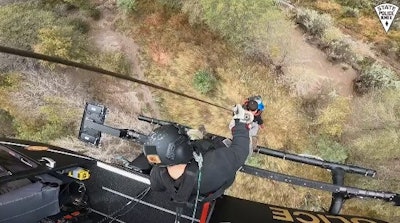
337,198
92,126
315,162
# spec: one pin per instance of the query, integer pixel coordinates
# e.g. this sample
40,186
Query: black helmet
168,145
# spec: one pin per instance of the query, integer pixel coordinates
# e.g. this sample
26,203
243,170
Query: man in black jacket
184,168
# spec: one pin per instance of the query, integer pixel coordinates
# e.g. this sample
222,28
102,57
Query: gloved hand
194,134
243,115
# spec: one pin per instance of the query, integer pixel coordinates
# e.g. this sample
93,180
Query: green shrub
94,13
204,81
56,120
396,25
173,4
376,77
364,62
64,7
255,160
40,130
331,150
340,51
194,10
127,6
350,12
19,24
113,61
339,48
81,4
389,47
80,25
62,41
314,104
332,119
59,8
360,4
9,80
258,27
313,22
332,34
6,122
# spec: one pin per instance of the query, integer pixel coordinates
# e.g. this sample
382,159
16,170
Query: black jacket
219,168
258,119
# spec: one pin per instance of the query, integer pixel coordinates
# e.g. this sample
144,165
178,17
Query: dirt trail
124,99
310,71
104,36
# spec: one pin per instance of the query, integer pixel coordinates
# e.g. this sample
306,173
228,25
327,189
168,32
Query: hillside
302,68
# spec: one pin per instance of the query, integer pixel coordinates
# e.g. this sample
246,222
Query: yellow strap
37,148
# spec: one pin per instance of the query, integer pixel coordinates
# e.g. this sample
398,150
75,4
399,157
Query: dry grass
35,87
372,208
373,138
378,110
328,6
267,191
372,29
120,148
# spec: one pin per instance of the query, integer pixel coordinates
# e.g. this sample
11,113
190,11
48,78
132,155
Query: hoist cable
53,59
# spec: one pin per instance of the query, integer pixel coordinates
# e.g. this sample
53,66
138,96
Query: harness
181,190
181,194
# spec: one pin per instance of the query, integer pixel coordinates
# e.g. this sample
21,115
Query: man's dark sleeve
220,165
240,143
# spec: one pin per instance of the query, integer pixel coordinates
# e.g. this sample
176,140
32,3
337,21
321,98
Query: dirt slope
106,38
310,71
124,100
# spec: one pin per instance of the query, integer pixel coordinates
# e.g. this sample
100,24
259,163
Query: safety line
105,215
146,203
123,173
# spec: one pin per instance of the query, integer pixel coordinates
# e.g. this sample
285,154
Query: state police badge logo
386,13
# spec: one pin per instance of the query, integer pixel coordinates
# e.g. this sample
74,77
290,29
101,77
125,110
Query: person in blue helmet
255,105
